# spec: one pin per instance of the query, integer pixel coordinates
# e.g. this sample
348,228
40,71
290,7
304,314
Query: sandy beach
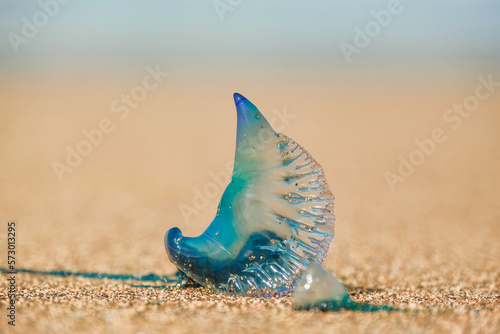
429,243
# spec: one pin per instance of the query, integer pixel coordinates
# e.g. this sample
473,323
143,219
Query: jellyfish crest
275,214
255,138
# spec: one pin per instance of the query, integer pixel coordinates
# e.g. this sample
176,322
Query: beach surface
428,244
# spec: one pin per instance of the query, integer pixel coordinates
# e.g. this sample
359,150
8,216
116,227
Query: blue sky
111,35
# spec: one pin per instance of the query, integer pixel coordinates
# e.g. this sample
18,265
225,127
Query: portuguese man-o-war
273,226
275,214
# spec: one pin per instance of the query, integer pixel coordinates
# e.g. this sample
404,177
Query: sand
431,246
453,288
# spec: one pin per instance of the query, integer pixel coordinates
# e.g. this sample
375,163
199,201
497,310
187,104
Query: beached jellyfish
275,215
319,289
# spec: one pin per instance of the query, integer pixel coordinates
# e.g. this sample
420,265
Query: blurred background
102,151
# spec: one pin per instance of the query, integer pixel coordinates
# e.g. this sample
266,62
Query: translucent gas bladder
274,216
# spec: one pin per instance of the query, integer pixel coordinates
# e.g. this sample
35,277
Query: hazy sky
253,35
